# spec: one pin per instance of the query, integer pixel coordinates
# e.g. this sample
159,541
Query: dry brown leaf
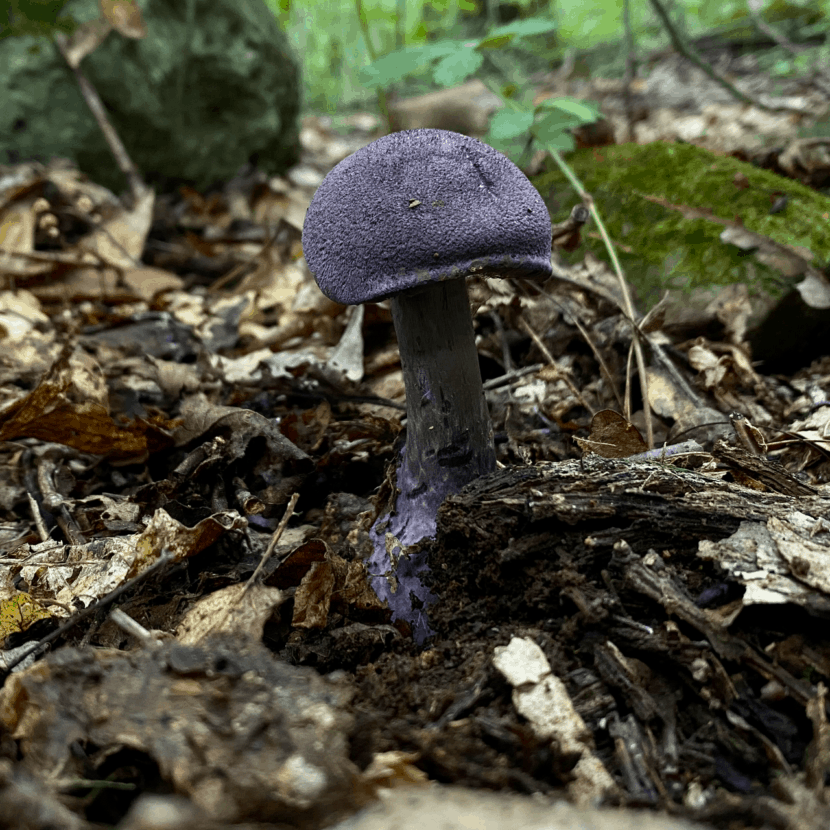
164,533
313,597
85,40
17,236
68,407
119,240
236,609
19,610
807,160
146,282
20,312
612,436
125,17
296,565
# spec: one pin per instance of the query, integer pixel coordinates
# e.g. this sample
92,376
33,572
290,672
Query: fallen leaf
612,436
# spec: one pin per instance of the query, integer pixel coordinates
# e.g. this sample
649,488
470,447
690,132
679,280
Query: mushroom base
449,440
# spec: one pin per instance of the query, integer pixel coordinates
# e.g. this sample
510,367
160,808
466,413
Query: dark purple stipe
408,218
449,438
396,576
421,206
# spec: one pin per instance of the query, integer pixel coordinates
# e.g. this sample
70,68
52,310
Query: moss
639,191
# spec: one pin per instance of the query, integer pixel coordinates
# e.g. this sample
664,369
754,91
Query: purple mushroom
407,218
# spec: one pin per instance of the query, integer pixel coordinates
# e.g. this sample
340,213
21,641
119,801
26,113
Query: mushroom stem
449,437
449,440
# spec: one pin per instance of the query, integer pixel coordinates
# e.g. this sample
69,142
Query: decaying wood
772,475
599,559
661,504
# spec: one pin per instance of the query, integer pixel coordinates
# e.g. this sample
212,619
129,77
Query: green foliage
640,190
394,67
33,17
327,36
452,61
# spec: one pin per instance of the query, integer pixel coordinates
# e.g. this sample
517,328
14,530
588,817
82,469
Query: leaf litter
195,444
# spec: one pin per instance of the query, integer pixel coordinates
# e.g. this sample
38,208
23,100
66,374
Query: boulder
192,101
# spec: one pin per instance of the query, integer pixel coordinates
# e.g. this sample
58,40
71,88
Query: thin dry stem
38,518
628,306
122,158
272,545
269,552
550,359
691,55
586,336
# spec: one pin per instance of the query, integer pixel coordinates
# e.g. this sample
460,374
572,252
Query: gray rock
192,101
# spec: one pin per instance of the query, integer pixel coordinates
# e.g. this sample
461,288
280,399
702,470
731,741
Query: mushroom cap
423,206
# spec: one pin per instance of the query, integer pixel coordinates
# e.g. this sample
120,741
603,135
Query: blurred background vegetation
330,36
330,42
365,54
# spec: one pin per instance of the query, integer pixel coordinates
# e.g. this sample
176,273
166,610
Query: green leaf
583,111
456,67
499,37
395,66
564,142
494,42
552,126
33,17
508,123
375,14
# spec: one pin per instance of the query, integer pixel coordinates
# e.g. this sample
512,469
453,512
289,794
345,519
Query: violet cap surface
423,206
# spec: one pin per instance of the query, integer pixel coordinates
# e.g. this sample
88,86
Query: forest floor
194,439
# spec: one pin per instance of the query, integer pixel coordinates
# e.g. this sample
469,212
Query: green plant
33,17
452,61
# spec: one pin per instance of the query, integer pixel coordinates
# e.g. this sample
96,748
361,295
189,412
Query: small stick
126,623
269,552
630,70
38,518
603,365
691,55
272,545
165,557
511,376
549,357
99,113
505,346
690,447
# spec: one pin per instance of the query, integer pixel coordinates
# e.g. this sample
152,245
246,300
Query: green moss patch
661,204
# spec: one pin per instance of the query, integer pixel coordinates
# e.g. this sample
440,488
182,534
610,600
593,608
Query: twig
54,502
510,377
38,518
506,359
549,357
99,113
628,306
127,624
272,545
165,557
269,552
627,408
690,447
755,13
586,336
691,54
